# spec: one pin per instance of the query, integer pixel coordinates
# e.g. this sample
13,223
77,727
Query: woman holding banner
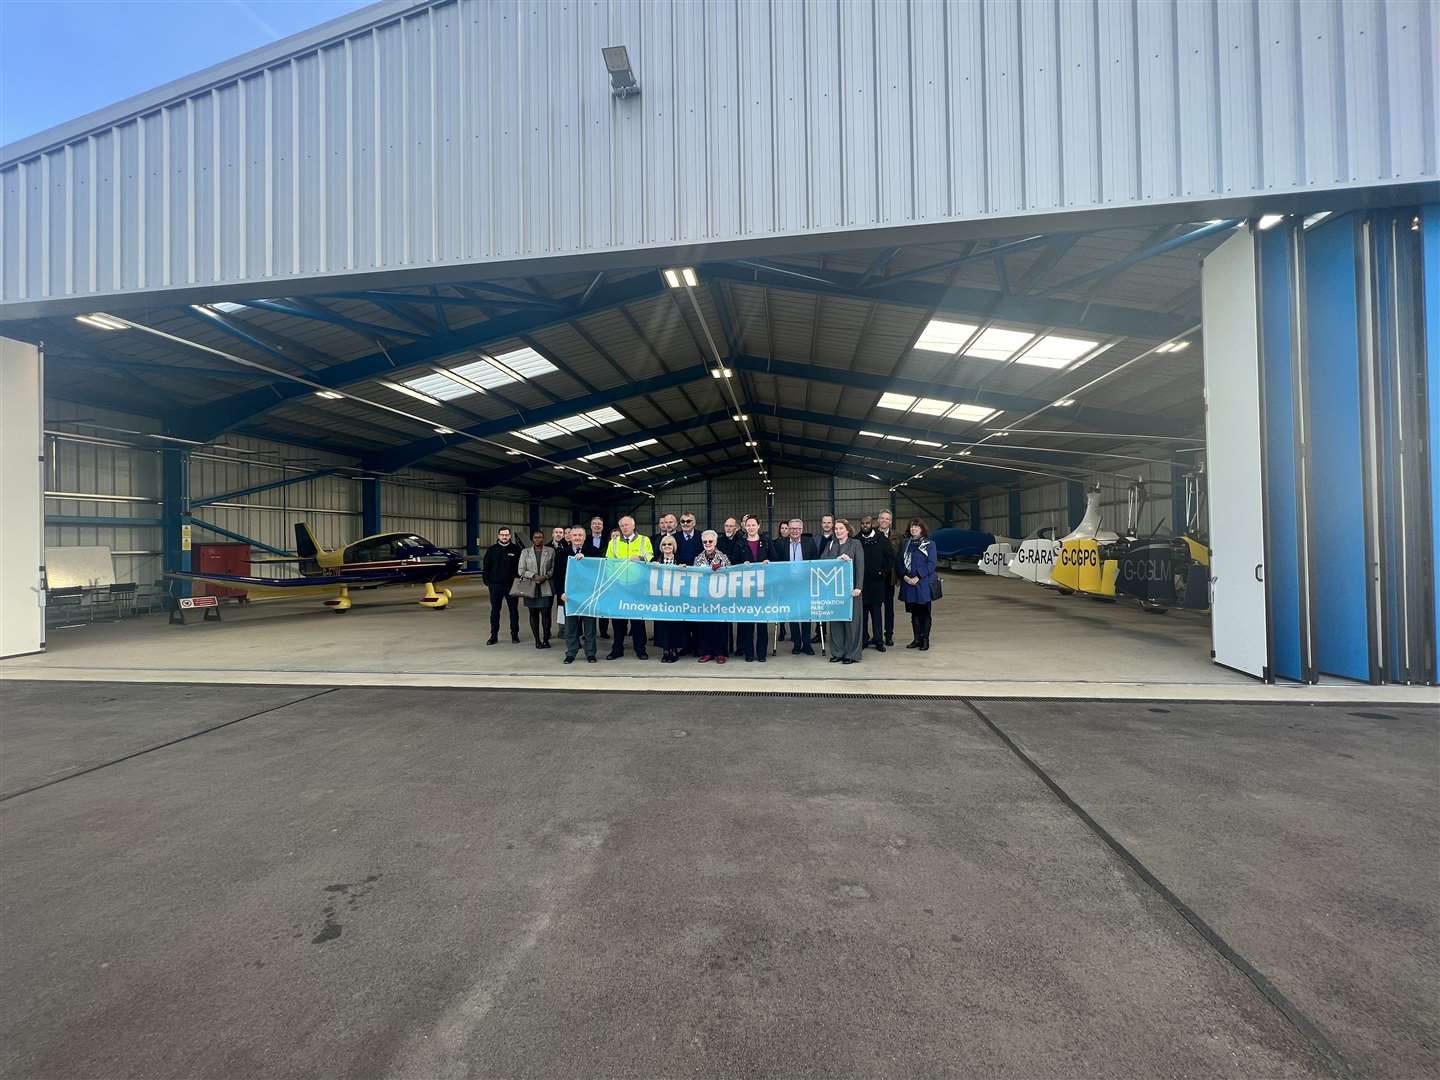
712,638
670,634
847,638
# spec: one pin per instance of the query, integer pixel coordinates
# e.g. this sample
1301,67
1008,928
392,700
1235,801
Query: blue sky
60,59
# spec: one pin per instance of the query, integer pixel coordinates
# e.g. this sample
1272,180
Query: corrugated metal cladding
484,130
98,480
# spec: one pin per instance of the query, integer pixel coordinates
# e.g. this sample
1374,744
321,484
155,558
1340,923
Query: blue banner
755,592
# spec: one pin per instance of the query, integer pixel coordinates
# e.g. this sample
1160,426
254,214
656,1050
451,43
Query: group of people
883,559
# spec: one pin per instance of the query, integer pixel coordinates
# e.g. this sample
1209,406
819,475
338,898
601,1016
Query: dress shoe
591,660
808,651
879,647
493,640
914,644
834,659
614,656
795,651
642,656
889,640
849,660
569,659
515,639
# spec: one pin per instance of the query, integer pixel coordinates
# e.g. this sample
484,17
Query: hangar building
439,267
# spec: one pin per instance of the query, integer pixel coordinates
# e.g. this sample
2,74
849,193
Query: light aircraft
961,543
371,562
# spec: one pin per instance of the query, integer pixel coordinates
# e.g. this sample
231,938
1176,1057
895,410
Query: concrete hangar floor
1047,645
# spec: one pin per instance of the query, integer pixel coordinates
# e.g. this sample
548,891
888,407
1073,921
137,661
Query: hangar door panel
1230,316
22,492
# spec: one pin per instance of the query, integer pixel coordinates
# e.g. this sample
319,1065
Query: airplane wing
258,588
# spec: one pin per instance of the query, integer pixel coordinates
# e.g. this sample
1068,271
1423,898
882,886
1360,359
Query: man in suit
783,537
885,526
687,541
796,548
578,628
827,532
729,538
595,549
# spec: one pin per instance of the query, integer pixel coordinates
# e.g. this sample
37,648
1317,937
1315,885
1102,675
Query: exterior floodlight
622,78
329,395
100,321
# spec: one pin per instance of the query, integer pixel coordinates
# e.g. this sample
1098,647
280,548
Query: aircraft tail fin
308,548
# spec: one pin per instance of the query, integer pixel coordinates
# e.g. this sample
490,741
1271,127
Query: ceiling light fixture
678,276
329,395
721,372
444,431
740,417
1269,221
100,321
1064,402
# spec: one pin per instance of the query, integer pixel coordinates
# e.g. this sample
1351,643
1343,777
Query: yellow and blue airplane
372,562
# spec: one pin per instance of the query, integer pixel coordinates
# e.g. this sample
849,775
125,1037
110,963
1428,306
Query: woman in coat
532,585
846,638
712,639
879,566
917,568
670,634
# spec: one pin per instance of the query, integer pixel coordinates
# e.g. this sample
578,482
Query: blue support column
1430,230
710,506
833,499
1075,497
175,512
974,511
370,505
949,518
534,520
472,523
1015,526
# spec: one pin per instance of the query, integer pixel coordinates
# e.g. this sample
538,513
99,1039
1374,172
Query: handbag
936,592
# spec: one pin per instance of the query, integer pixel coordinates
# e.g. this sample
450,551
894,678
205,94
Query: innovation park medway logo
771,592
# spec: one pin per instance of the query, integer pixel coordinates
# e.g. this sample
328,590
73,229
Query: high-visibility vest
620,548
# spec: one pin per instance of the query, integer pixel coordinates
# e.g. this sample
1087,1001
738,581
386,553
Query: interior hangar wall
469,131
88,478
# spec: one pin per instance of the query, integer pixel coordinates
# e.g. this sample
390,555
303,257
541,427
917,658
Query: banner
816,591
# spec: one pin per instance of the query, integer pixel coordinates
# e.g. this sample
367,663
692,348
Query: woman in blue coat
917,567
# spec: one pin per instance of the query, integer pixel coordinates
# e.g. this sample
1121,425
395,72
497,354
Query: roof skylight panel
1054,351
438,386
895,401
944,337
998,344
526,362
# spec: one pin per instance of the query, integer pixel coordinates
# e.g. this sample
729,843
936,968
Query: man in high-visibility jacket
637,548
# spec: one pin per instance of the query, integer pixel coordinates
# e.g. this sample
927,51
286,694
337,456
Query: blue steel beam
226,496
960,260
617,471
200,523
231,412
378,298
1095,277
509,473
1109,420
69,358
211,317
966,302
401,456
76,521
309,309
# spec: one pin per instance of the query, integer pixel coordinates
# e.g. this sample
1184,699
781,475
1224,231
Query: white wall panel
474,131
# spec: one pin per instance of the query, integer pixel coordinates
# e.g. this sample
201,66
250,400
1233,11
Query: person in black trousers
885,526
879,572
796,548
595,549
752,640
502,563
